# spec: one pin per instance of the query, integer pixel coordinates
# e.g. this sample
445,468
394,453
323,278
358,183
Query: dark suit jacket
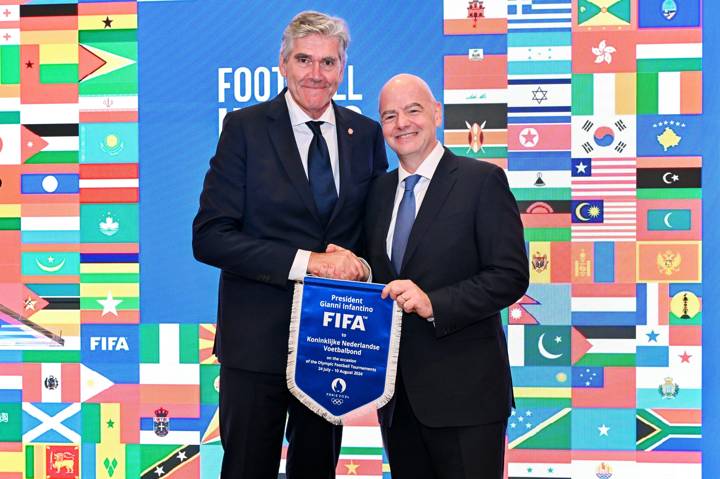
256,210
466,251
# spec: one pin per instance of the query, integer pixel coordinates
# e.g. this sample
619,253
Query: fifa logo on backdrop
245,85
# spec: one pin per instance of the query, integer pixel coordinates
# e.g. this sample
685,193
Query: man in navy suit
284,196
444,232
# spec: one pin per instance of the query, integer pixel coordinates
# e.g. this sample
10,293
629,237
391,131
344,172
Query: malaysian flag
603,199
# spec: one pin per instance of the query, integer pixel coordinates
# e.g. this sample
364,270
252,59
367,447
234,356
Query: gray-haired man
287,182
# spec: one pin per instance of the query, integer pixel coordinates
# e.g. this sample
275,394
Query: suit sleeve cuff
298,270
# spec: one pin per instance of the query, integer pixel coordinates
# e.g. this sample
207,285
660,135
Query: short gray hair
315,23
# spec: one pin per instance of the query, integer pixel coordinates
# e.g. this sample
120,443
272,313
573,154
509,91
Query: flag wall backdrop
110,111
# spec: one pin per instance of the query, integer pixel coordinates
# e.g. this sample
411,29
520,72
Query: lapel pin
350,131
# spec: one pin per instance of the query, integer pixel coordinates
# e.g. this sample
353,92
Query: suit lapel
440,186
283,140
345,150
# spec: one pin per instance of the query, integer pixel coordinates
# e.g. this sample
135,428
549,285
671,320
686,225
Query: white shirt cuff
298,270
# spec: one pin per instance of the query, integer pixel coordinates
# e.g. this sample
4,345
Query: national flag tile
539,53
477,130
547,345
461,17
38,88
545,220
670,466
48,113
603,346
106,183
605,14
206,341
542,99
541,386
605,304
669,429
539,428
51,382
673,135
604,51
10,137
603,463
107,16
597,429
605,94
40,460
109,223
603,137
538,15
538,137
669,50
546,304
549,261
603,262
156,460
11,388
669,261
51,143
51,422
669,14
538,463
673,178
683,304
668,220
612,387
109,143
169,354
669,92
538,185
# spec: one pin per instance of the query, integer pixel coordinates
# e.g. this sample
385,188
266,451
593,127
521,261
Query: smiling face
409,116
313,70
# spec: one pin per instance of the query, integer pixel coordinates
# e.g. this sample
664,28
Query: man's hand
409,297
337,263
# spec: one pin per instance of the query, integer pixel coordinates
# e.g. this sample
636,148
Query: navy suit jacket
466,251
256,211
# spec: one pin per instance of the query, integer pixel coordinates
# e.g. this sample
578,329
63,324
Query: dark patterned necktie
322,183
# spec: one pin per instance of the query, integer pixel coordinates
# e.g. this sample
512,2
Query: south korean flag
596,136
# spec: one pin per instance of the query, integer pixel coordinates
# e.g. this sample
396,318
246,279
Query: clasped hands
337,263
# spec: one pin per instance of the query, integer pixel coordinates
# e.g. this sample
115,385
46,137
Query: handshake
338,263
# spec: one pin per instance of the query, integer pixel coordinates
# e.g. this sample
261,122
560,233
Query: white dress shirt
303,136
426,170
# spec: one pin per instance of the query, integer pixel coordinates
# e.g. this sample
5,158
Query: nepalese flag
604,13
463,17
604,204
546,304
669,13
534,15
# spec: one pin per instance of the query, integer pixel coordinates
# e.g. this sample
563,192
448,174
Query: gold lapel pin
350,131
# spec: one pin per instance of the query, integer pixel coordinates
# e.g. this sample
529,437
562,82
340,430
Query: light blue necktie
404,222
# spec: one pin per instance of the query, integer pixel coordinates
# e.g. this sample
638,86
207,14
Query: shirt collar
299,117
427,167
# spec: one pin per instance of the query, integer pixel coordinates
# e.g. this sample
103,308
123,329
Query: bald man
444,232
